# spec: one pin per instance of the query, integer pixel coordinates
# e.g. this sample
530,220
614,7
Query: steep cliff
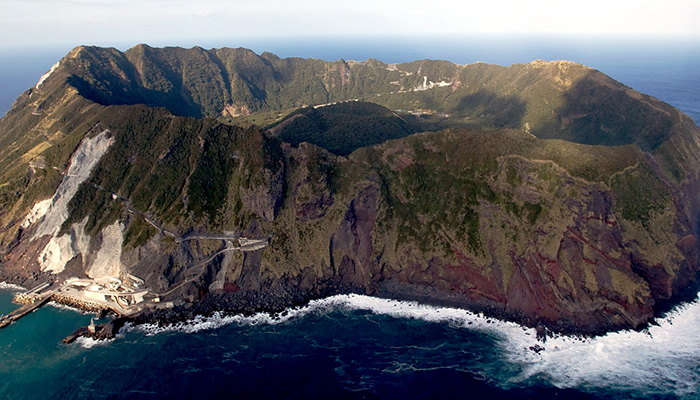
556,195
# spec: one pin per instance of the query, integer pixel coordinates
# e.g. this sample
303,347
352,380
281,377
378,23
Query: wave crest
662,359
11,286
399,309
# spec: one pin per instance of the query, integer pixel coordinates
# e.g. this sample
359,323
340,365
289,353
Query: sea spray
89,343
369,341
62,306
660,360
665,358
459,318
11,286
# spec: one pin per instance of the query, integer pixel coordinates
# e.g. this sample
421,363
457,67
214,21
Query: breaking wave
89,343
218,320
11,286
663,359
65,307
396,308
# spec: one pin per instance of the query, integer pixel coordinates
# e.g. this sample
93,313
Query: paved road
250,244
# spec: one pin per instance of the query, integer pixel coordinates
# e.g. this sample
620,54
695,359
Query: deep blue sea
361,347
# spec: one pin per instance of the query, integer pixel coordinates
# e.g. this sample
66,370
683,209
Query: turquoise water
31,350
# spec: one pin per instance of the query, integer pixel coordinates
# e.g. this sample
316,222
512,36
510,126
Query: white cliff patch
37,213
218,283
82,163
430,84
51,214
108,260
46,75
62,249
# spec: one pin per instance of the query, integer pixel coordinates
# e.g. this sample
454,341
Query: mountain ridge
521,208
259,83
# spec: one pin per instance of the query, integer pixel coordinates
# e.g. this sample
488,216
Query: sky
160,22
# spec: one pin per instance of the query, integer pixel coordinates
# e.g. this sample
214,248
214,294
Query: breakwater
83,305
33,303
32,300
26,298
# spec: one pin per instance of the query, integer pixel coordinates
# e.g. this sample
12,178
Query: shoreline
283,302
10,286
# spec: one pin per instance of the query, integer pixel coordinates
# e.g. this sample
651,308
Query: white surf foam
88,343
10,286
218,320
454,316
65,307
399,309
665,359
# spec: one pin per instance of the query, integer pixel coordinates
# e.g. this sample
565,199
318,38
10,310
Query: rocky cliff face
573,234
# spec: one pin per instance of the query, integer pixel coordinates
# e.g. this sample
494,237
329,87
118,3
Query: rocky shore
278,300
104,331
279,297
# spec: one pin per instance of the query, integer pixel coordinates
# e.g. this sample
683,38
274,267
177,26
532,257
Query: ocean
359,347
353,347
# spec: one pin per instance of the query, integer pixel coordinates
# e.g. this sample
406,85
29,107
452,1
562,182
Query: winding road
245,244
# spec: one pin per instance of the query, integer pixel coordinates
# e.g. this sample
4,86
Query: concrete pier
92,295
27,308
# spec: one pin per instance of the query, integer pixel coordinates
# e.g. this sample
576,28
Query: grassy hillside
344,127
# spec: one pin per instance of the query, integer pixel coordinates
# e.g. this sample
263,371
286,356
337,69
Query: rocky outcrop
265,198
351,246
107,259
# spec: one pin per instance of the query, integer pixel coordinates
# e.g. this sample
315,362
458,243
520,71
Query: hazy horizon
623,58
35,22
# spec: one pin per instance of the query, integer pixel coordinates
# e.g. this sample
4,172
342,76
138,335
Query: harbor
124,296
25,309
105,295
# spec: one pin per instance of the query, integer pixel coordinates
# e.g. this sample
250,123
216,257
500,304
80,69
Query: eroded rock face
547,247
47,216
107,259
351,246
310,191
60,250
83,161
555,249
265,199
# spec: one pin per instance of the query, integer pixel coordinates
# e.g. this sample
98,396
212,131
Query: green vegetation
552,100
138,233
639,193
260,118
208,187
180,170
95,204
342,128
